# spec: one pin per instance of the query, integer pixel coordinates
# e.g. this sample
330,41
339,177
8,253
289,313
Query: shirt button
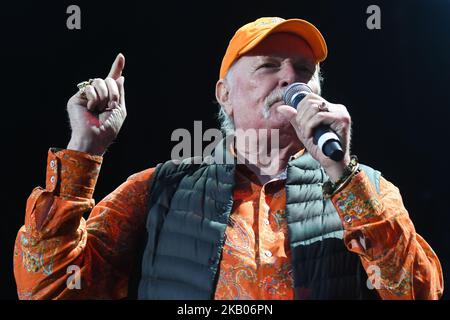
52,179
52,163
348,219
268,254
266,221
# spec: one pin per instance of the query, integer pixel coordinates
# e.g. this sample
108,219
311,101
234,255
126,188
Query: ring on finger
323,107
82,87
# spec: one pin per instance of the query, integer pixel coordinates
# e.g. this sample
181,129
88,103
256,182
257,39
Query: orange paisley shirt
60,255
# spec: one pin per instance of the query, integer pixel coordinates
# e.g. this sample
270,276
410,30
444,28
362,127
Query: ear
223,95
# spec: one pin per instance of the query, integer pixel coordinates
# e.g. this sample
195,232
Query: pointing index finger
117,67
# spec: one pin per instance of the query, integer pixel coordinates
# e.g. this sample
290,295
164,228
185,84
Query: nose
288,75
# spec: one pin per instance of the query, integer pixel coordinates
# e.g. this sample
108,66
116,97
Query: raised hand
97,114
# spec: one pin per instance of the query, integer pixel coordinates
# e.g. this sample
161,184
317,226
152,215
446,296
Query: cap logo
266,22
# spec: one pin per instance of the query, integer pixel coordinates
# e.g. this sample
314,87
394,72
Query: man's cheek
314,85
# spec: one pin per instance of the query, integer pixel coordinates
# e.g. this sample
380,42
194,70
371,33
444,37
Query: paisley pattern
378,228
358,204
56,236
257,226
256,259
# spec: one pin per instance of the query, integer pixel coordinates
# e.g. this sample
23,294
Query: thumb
287,111
120,84
117,67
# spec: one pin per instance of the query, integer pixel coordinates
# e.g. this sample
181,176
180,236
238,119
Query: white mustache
274,97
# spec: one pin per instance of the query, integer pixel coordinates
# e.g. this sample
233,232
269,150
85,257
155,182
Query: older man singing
299,226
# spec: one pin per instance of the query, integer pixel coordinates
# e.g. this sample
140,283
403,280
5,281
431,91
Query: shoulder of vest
174,166
307,162
173,170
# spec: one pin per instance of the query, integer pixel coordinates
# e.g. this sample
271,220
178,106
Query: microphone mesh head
292,90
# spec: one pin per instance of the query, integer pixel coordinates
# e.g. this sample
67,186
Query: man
298,226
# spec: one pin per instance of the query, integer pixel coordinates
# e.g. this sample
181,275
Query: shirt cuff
358,202
72,173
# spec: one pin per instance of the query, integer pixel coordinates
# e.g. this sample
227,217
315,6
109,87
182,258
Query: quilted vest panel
189,209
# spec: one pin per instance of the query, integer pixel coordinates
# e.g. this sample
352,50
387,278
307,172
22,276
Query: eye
267,65
303,68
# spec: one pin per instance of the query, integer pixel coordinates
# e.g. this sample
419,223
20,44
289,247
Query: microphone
323,136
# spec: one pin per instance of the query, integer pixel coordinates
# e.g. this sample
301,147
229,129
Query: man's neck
276,164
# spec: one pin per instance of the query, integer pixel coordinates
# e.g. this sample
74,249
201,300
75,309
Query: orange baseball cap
249,35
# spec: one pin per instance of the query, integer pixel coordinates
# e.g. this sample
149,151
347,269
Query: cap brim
299,27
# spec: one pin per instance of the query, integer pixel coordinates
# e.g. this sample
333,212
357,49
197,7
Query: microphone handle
328,142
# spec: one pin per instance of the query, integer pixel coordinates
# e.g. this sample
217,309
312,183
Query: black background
394,81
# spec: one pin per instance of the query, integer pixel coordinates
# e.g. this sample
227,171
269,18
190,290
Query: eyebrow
298,61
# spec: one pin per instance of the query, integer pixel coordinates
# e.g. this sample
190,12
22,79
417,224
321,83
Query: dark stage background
395,82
